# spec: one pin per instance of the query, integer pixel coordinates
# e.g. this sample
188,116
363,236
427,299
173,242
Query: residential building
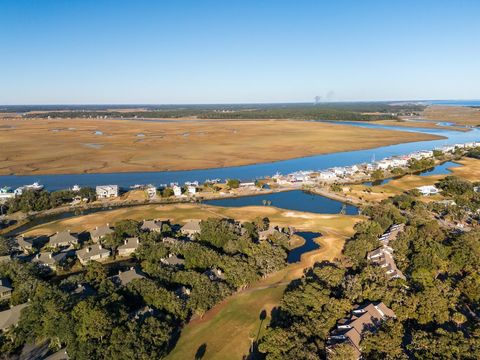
191,228
351,330
125,277
173,260
215,274
129,247
50,260
107,191
383,257
11,317
327,175
92,253
152,225
5,289
265,234
100,232
177,190
23,244
62,238
59,355
191,189
183,292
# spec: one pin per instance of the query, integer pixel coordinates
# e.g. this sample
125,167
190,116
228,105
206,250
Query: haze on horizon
149,52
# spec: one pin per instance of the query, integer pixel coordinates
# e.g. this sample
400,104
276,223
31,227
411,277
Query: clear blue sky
161,52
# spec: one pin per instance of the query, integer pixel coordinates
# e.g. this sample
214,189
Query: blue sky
162,52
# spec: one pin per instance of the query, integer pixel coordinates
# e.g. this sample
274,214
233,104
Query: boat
35,186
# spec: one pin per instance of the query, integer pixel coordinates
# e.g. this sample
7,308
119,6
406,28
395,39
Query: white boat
35,186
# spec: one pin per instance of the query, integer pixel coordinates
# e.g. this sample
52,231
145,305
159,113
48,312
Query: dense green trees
437,307
32,200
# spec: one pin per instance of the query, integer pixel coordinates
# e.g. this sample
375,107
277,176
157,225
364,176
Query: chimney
125,242
138,241
50,255
88,249
119,272
100,247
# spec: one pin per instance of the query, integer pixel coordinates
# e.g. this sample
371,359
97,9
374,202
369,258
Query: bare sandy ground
54,146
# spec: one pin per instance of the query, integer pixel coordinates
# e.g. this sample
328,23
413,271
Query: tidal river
248,172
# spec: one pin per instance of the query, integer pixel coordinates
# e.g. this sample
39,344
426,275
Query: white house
192,190
177,190
428,190
107,191
327,175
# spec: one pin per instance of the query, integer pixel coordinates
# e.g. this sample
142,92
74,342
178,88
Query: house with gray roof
11,317
152,225
51,260
125,277
62,238
21,243
215,274
129,246
100,232
92,253
173,260
5,289
191,228
59,355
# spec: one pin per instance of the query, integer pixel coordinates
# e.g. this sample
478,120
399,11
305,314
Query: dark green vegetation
94,317
32,200
325,111
474,153
437,308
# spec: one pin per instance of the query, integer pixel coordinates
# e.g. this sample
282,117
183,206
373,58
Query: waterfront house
152,225
92,253
106,191
427,190
191,228
123,278
129,247
62,238
265,234
177,190
100,232
11,317
351,330
5,289
247,184
327,175
191,189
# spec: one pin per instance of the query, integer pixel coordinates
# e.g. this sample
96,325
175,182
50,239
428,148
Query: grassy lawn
181,213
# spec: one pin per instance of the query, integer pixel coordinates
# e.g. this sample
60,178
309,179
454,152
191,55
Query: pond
442,169
297,200
295,254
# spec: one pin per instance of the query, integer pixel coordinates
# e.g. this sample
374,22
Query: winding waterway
249,172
